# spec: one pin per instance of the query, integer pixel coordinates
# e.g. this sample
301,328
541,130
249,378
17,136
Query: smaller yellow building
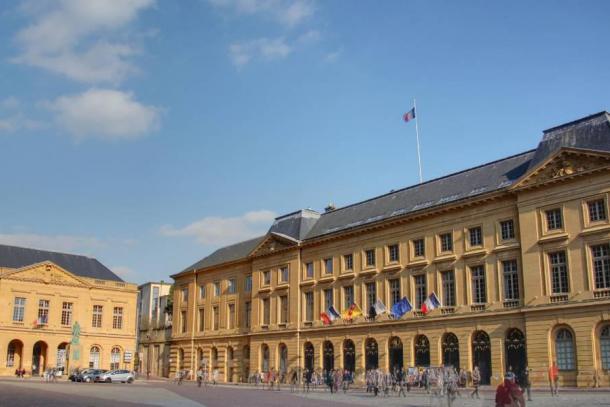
63,311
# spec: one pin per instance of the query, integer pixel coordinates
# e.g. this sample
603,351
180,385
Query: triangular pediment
564,164
46,273
273,243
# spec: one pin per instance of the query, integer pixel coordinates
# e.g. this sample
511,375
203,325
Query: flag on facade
332,313
431,303
353,311
380,307
410,115
401,307
325,319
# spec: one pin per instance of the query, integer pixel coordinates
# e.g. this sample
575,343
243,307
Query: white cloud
332,56
286,12
309,37
265,48
216,231
124,272
105,114
61,243
18,121
73,38
10,103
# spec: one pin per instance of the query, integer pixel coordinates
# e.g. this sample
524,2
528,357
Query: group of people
20,373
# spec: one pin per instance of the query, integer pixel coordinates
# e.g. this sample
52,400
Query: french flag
410,115
430,304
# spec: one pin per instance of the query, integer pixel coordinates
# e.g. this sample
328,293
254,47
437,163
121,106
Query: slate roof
296,224
17,257
227,254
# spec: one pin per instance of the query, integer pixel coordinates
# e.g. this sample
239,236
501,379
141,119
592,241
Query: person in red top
554,379
508,393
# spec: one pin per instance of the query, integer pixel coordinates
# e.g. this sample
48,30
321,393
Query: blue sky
147,133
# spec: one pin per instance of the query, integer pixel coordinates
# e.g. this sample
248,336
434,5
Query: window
232,286
394,291
597,210
202,291
248,314
216,318
511,280
43,312
476,236
309,306
370,257
420,290
94,358
553,219
309,270
393,253
97,316
419,248
601,265
448,282
348,261
266,311
117,318
185,294
217,289
507,229
284,309
201,319
266,277
10,355
328,265
284,274
446,242
479,292
371,294
328,298
115,358
183,321
564,350
155,303
66,313
348,296
248,284
559,273
604,347
231,316
19,309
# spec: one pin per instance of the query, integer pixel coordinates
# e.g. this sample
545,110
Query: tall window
328,298
476,236
284,309
601,265
10,355
155,303
604,347
393,253
394,291
94,358
284,274
597,210
348,296
183,321
115,358
348,261
231,316
371,294
553,219
448,281
507,229
248,314
511,280
232,286
266,311
564,350
19,309
185,294
370,257
309,270
217,289
201,319
328,265
479,292
446,242
309,306
419,248
66,313
97,316
117,318
202,291
559,272
216,317
420,289
248,283
43,312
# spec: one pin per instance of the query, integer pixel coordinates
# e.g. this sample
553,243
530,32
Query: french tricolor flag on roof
430,304
410,115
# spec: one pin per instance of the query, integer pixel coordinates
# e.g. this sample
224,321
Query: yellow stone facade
35,343
552,314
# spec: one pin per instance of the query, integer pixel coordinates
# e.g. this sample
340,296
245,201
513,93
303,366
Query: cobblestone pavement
34,393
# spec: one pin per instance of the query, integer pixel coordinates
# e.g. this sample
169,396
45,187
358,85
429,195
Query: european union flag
401,307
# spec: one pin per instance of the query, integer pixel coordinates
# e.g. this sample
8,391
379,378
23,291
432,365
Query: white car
123,376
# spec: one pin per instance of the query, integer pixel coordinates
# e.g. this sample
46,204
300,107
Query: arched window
283,359
309,356
264,357
422,351
115,358
564,350
94,357
10,355
604,347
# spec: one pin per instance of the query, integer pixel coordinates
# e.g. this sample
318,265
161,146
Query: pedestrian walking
199,377
527,383
554,379
476,379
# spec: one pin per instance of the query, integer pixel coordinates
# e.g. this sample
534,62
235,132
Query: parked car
90,375
123,376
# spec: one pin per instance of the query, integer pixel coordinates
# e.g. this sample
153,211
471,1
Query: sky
147,133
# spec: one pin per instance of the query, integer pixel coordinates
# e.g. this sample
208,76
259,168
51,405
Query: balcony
601,293
511,303
418,313
477,307
558,298
447,310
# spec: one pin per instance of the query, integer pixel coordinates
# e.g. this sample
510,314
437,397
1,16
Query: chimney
331,207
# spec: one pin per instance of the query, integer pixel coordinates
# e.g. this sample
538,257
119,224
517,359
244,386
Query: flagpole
417,138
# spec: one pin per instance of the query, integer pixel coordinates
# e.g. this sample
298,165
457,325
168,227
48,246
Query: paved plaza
34,393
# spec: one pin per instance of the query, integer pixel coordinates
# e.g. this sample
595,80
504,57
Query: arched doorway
328,360
62,357
422,350
451,350
94,357
349,355
245,360
264,358
516,354
395,352
214,359
309,356
283,354
39,358
201,362
115,358
481,355
14,354
229,362
371,352
604,347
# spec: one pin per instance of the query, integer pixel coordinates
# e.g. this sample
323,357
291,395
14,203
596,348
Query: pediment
46,273
273,243
565,164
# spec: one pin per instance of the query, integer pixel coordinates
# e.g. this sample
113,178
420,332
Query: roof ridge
49,251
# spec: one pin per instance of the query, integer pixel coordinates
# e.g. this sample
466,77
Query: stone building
154,328
517,251
63,311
